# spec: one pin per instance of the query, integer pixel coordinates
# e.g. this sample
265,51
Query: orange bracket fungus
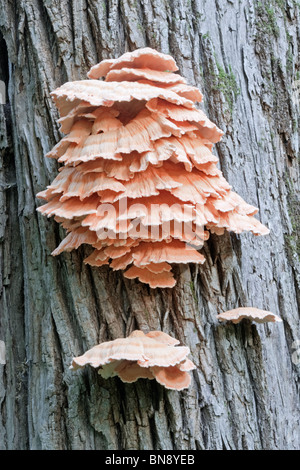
249,313
139,181
154,355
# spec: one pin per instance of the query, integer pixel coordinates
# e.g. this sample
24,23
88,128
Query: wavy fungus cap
141,58
249,313
154,355
139,182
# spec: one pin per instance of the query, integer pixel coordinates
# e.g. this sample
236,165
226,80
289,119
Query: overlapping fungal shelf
154,355
137,168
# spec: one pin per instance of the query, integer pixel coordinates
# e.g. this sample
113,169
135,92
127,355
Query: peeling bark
244,56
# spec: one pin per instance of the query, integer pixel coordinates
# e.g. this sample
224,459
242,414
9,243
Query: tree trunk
244,56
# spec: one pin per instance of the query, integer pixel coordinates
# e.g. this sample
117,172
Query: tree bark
244,56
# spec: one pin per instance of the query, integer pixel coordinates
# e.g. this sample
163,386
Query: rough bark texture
244,56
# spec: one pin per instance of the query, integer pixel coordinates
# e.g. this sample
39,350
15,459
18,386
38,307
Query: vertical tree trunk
244,56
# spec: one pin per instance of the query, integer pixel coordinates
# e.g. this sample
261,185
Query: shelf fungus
249,313
139,181
154,355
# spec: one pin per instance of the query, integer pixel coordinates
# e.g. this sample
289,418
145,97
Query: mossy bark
245,391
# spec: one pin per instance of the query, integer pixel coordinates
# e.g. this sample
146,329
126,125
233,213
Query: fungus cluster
154,355
150,356
139,181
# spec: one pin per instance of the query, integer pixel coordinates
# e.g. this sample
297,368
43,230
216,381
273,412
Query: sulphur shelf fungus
139,181
154,355
248,313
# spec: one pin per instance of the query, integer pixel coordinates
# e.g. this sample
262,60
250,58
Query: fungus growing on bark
139,182
249,313
154,355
